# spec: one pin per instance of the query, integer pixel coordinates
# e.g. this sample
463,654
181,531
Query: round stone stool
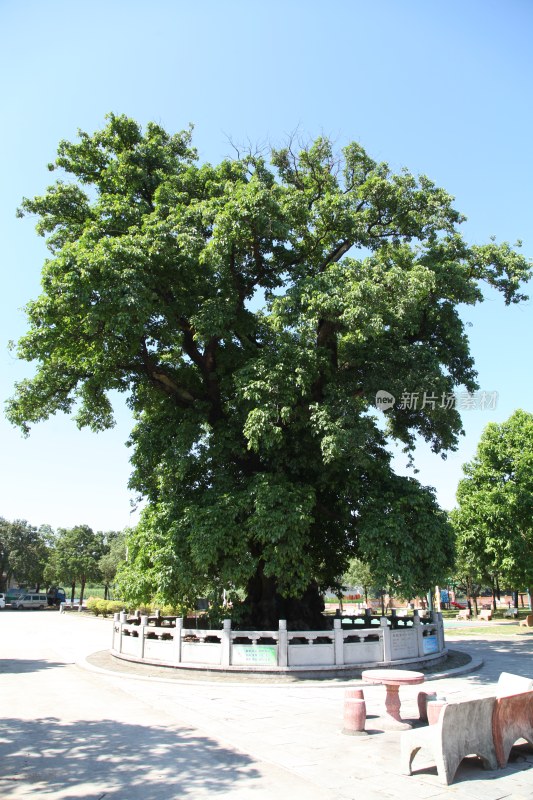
358,694
354,715
423,700
434,707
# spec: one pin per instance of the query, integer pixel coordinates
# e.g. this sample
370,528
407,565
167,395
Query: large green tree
359,574
114,543
251,310
24,551
494,517
75,558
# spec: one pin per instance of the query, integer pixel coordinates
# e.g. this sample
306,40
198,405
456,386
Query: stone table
392,679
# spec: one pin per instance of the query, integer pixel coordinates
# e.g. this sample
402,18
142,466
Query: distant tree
359,574
406,514
48,534
494,517
5,570
75,558
472,567
113,558
257,442
23,552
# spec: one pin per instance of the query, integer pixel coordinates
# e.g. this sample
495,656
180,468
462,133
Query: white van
30,601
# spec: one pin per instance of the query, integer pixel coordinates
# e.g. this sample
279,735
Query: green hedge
104,607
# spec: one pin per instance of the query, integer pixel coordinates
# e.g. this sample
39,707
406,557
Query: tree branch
336,254
162,380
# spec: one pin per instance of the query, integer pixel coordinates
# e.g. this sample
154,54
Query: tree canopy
114,555
24,551
494,517
75,558
251,311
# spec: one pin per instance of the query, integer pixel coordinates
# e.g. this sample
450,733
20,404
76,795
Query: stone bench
463,728
512,720
463,614
528,621
66,606
509,683
513,714
485,615
486,726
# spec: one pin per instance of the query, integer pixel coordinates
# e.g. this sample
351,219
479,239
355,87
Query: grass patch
473,629
95,590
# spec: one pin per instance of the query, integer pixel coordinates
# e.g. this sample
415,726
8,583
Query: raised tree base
367,642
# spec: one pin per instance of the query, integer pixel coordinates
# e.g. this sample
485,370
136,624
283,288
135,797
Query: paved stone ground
104,660
70,729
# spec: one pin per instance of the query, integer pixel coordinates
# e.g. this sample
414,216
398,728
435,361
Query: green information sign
258,654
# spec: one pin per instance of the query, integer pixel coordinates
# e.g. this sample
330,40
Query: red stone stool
354,713
423,698
358,694
434,707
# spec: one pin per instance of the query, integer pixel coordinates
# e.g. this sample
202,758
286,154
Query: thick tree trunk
82,590
264,606
73,590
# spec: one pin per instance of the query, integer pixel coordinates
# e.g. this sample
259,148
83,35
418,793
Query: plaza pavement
73,725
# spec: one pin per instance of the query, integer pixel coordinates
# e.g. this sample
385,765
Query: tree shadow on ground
105,759
20,665
514,655
471,769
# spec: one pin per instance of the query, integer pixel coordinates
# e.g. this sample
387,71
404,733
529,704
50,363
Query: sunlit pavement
71,732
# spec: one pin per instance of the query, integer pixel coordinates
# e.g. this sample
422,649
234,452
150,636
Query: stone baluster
116,627
178,630
339,642
440,631
143,624
387,644
283,644
226,643
419,631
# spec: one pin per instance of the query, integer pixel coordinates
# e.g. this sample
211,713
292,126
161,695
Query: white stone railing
168,643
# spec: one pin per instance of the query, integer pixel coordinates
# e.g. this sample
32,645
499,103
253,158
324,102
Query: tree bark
264,606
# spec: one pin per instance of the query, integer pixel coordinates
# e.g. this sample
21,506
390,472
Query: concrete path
71,730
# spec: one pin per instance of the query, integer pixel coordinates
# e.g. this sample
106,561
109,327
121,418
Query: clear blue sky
443,88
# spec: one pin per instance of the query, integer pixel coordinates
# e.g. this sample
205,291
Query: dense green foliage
75,558
114,555
251,312
359,574
24,551
34,557
494,518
